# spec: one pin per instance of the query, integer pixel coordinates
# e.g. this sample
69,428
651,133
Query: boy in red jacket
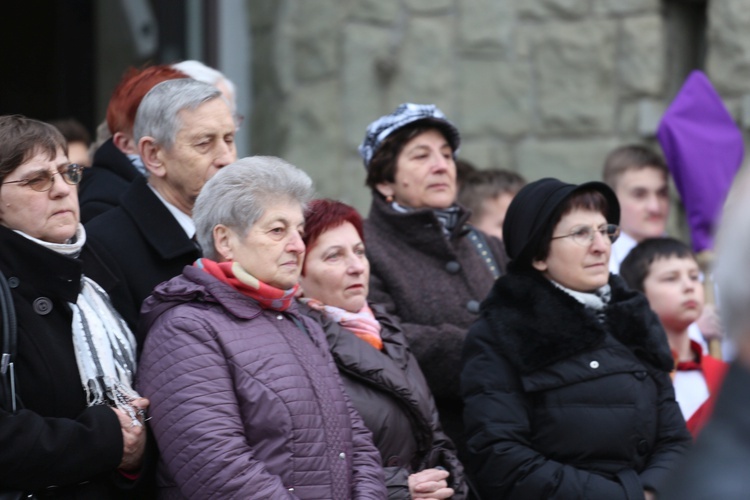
666,271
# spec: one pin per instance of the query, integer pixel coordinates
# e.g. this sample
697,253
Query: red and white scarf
234,275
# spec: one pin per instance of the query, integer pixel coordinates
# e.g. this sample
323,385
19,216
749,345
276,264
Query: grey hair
238,195
732,264
199,71
157,115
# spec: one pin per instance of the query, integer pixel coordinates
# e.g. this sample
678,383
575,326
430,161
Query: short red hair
128,94
322,215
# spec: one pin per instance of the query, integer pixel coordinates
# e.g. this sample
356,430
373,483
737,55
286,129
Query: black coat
56,439
105,181
560,405
717,466
434,285
143,245
390,393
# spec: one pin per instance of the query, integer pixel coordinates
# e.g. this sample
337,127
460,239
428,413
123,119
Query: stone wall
543,87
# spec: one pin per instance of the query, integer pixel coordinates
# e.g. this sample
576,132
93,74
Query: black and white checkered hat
405,114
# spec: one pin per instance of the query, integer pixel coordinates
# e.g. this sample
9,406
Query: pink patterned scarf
362,323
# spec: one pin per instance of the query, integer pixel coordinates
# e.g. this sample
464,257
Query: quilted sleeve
195,414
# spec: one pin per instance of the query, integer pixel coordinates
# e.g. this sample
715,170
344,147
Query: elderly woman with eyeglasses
77,427
566,374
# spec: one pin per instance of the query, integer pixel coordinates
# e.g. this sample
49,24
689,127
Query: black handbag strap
9,346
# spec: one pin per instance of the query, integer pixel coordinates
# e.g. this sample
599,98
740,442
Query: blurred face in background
644,202
492,215
78,152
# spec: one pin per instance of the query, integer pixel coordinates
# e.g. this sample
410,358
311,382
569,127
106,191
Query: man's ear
223,242
125,143
151,155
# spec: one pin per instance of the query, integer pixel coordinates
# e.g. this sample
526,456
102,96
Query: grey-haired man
185,132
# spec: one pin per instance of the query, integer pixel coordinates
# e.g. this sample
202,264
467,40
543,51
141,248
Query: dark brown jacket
388,390
434,285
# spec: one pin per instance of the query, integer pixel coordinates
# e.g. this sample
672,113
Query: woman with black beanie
566,374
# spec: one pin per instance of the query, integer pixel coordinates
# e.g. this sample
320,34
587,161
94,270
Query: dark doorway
47,59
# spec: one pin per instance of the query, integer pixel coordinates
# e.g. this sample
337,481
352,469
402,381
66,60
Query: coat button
13,282
640,375
642,447
42,306
453,267
279,317
472,306
342,455
594,365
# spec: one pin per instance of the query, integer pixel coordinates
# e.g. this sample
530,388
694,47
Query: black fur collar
538,324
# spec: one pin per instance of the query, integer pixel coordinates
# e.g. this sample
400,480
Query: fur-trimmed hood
538,324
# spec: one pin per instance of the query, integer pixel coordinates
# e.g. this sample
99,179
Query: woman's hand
430,484
133,435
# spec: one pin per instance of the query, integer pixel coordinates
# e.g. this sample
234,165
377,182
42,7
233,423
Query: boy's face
493,215
674,290
644,202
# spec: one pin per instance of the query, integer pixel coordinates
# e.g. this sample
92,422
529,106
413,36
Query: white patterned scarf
104,345
596,300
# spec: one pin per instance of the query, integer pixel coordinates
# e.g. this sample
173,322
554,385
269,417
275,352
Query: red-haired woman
380,375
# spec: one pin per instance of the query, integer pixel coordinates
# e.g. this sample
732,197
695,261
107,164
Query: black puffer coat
560,405
390,393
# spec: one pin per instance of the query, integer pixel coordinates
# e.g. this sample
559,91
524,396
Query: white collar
620,249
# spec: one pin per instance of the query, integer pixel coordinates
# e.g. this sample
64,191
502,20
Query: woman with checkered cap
429,267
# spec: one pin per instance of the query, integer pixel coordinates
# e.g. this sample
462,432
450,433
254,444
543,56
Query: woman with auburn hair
381,376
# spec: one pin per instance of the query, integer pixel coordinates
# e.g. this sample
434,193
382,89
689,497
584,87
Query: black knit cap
533,210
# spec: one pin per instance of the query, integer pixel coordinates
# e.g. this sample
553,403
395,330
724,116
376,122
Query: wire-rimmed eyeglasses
43,180
584,235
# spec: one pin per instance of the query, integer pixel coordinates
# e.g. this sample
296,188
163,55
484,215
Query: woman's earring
389,199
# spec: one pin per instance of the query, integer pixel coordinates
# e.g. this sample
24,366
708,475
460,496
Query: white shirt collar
620,249
183,219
